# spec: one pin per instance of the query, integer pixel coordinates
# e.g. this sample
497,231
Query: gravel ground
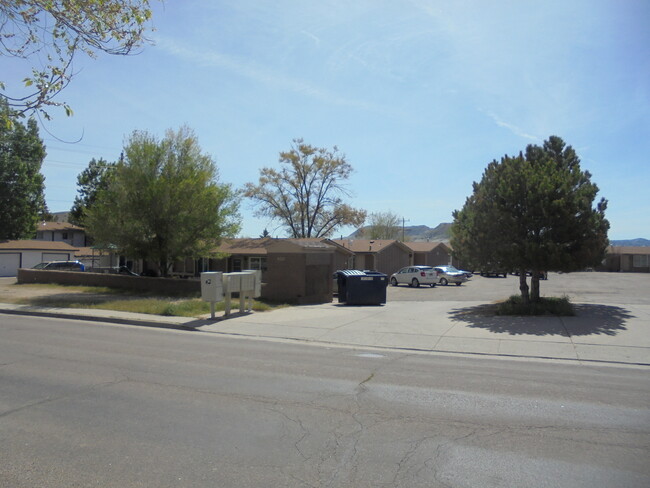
11,292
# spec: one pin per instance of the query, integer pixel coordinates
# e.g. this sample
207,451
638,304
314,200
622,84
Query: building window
257,263
236,265
64,235
640,261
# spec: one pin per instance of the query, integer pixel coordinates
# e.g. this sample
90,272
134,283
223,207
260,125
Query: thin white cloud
311,36
258,73
511,127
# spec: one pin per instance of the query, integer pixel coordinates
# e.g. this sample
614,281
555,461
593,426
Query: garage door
9,263
53,256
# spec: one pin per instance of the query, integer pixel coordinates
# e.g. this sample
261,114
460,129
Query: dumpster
361,287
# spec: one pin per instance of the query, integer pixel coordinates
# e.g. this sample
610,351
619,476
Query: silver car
449,274
415,276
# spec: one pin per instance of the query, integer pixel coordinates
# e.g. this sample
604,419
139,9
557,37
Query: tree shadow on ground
590,319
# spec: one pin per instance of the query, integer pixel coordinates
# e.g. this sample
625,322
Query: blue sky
419,95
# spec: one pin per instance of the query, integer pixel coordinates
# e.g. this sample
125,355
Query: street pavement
617,333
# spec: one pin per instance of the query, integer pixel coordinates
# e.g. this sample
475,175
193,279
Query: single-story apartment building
429,253
635,259
383,255
29,252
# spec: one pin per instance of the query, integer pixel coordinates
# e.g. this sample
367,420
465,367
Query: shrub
546,306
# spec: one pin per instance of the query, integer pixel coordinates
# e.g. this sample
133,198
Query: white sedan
415,276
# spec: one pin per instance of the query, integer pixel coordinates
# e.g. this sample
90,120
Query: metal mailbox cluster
217,286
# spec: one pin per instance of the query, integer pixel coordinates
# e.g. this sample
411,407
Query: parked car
61,266
469,274
493,272
123,270
543,274
415,276
449,274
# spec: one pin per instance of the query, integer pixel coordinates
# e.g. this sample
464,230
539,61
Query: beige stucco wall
299,277
391,260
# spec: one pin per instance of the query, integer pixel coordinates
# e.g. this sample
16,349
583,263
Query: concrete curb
93,318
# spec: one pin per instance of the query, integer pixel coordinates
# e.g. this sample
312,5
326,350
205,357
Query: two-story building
62,232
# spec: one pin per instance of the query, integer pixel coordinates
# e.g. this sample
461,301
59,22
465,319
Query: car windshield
40,265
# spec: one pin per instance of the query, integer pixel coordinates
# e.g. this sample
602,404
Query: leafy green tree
90,182
164,202
22,152
305,195
48,35
534,213
384,225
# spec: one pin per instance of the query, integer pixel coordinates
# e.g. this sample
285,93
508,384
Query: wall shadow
589,319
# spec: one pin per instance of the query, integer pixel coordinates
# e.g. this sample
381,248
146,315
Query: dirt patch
12,292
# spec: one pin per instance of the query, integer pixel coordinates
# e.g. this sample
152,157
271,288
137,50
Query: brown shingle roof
629,250
245,245
422,246
91,251
35,245
366,245
50,226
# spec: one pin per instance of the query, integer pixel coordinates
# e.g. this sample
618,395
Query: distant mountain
413,233
640,242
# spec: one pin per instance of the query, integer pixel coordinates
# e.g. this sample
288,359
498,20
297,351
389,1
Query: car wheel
415,283
393,281
443,281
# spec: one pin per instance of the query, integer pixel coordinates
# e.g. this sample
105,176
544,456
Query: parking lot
583,287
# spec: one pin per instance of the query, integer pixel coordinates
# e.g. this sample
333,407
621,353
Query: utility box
362,287
212,286
247,281
248,284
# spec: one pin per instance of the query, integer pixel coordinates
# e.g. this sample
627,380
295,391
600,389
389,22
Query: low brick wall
163,286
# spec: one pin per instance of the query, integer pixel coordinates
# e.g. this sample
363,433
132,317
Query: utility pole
403,221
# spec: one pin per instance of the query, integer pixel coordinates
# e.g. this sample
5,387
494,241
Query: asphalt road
119,406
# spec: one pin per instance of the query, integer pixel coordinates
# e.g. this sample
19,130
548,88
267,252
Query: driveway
612,322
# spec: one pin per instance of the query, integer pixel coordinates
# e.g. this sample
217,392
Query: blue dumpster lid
351,272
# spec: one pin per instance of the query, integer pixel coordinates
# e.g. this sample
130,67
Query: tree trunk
523,286
534,287
163,267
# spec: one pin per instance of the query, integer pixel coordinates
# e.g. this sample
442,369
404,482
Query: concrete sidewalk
617,334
